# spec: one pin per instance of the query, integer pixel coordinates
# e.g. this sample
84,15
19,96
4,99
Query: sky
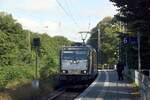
59,17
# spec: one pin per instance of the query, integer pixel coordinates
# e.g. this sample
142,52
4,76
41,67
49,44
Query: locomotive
78,63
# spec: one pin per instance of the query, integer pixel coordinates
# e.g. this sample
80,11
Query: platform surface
107,87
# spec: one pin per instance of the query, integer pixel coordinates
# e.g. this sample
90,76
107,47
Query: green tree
17,56
136,14
109,40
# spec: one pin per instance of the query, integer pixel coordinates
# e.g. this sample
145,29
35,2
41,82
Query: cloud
46,15
28,23
37,5
38,26
51,28
99,13
31,5
102,9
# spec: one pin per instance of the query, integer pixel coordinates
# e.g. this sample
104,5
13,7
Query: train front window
74,55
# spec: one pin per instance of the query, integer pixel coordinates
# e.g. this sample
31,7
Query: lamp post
139,54
98,43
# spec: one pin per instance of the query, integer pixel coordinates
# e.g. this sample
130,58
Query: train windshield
74,55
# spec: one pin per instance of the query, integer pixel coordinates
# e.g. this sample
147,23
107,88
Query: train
78,63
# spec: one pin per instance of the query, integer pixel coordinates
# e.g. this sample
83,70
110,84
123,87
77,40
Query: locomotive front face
74,62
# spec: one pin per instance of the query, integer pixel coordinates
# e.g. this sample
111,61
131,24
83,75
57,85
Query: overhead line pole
98,45
98,42
139,54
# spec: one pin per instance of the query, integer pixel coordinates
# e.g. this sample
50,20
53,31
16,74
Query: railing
142,81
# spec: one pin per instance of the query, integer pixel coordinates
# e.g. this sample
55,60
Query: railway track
56,94
66,96
71,92
66,93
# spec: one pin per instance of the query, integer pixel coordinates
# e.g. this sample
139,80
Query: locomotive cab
77,63
74,62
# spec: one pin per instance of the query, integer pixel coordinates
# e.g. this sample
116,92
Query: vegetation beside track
17,58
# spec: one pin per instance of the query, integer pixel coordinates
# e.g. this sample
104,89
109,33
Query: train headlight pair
74,61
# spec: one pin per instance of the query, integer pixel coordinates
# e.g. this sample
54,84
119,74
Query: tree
17,57
136,14
109,40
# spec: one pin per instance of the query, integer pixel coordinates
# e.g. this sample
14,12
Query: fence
142,81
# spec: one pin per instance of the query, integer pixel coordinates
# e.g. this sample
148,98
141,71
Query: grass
22,90
5,96
19,83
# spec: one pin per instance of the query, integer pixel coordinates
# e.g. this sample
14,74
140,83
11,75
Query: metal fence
142,81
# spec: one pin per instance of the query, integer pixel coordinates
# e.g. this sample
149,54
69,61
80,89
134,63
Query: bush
12,73
49,69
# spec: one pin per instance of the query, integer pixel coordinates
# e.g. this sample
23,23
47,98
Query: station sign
130,40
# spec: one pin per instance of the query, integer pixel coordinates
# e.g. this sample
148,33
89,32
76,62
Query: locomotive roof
86,47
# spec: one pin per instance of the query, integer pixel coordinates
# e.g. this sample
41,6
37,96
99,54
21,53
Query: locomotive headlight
64,71
71,61
74,62
84,71
77,61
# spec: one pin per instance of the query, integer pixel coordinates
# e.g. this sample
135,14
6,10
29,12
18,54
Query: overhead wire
78,18
68,7
68,14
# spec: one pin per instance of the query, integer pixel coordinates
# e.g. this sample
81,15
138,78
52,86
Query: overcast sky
49,15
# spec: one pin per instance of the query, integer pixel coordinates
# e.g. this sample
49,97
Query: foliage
12,73
108,40
48,69
136,14
17,56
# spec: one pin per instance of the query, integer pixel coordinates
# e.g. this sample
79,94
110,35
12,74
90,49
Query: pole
98,40
98,46
36,63
120,29
35,82
36,44
139,55
119,57
126,51
126,67
29,35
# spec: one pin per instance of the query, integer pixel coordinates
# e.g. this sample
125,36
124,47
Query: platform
107,87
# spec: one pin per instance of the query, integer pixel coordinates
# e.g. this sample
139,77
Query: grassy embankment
18,84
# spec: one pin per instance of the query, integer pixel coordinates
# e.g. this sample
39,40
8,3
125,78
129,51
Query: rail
70,92
58,93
